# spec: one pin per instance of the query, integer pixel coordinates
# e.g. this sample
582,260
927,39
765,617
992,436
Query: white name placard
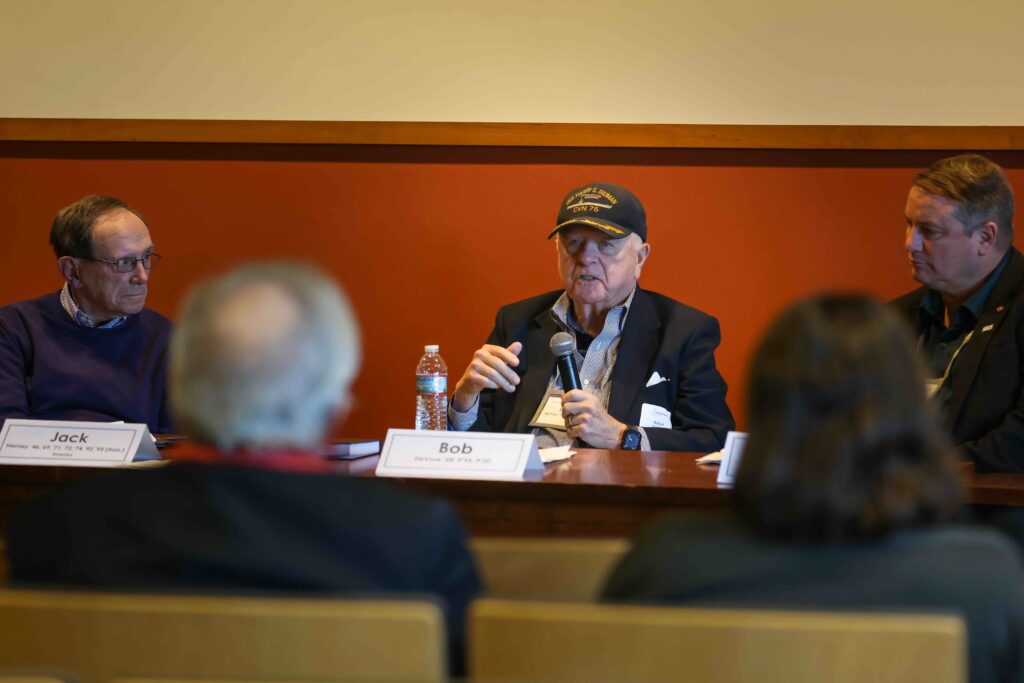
457,455
732,453
74,444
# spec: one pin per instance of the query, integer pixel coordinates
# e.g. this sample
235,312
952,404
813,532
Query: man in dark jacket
648,379
969,314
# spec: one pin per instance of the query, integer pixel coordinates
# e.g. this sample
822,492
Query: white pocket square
656,379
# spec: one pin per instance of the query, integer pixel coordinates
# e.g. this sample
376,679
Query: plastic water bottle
431,390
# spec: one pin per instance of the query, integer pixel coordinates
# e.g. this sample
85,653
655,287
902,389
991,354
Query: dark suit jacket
703,560
660,335
986,410
215,526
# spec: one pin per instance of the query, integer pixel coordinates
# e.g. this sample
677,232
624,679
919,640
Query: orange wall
428,242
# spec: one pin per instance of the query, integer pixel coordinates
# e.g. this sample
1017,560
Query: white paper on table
711,459
555,454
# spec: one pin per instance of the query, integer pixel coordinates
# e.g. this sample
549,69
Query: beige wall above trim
792,62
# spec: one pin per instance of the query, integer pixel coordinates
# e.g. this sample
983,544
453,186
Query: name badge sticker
74,443
549,413
458,455
655,416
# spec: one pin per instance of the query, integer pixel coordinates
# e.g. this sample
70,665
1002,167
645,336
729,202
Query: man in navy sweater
91,351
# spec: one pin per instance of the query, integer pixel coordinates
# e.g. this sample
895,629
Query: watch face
631,440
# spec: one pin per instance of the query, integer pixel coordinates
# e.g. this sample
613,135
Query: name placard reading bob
457,455
74,444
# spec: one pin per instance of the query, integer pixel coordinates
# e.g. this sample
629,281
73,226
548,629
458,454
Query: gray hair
262,358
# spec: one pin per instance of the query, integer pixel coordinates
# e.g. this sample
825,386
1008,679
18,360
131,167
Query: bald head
262,358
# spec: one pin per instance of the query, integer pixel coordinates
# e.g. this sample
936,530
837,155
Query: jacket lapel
636,356
540,359
970,356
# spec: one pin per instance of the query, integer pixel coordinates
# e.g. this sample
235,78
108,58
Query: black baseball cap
612,209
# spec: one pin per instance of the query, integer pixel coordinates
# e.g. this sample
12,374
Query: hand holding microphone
585,418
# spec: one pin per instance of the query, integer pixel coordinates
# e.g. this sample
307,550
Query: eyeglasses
130,263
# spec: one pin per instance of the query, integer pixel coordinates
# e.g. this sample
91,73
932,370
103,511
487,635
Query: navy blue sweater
53,369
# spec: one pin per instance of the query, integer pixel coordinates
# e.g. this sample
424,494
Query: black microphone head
562,344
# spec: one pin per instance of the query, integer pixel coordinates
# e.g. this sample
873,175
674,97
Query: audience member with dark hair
847,496
91,351
262,361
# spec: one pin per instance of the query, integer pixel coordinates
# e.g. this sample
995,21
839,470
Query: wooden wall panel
430,240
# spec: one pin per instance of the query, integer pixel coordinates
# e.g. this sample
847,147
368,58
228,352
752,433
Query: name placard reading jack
458,455
74,444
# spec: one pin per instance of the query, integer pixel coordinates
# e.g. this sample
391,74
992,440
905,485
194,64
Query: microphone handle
567,371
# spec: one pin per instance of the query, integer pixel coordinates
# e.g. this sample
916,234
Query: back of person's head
262,358
843,444
979,186
71,230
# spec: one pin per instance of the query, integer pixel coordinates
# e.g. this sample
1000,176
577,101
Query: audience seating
529,642
545,631
571,569
98,637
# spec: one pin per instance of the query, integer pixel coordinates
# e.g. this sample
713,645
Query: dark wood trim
693,136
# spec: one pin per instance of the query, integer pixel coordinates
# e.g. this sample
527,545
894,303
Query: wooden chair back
570,569
526,642
97,637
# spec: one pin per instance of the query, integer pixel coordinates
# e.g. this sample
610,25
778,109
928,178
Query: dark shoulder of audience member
843,444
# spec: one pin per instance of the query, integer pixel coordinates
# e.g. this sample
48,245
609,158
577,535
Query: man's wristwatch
630,439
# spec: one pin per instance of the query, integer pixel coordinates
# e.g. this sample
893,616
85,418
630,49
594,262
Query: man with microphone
642,374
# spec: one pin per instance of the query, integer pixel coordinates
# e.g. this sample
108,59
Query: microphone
563,346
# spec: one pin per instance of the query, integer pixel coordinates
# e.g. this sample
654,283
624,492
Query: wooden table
595,493
615,493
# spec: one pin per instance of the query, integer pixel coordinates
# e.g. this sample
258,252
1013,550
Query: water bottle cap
432,348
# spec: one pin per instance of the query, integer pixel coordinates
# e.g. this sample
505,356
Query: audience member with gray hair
263,358
261,366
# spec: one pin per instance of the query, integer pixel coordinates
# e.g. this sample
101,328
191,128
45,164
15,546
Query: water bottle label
431,385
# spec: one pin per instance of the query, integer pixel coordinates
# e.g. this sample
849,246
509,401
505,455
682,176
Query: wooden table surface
615,493
594,493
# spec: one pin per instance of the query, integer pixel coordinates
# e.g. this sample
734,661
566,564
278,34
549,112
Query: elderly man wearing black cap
646,363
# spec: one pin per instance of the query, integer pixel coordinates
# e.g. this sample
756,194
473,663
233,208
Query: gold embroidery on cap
601,226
